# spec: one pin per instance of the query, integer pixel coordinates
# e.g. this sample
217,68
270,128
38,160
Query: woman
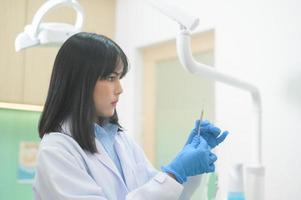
84,152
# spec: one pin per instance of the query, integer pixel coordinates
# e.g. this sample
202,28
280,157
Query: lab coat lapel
102,155
126,165
107,161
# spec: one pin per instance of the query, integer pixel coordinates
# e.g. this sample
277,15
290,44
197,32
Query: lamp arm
175,13
192,66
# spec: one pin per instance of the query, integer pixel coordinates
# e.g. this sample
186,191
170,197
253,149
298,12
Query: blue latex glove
194,159
209,132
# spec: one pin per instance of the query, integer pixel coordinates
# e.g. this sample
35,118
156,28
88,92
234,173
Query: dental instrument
201,119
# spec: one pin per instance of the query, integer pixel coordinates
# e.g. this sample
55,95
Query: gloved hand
209,132
194,159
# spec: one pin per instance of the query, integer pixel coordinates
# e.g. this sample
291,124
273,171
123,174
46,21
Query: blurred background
257,41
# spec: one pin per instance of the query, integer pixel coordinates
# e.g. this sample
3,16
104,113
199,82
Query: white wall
256,40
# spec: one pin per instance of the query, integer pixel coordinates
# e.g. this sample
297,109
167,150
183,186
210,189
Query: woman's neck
102,121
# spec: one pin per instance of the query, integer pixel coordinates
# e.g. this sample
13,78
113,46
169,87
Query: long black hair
82,60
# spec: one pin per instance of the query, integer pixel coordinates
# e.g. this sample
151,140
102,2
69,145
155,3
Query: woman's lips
114,103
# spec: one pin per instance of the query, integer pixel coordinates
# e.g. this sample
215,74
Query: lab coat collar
113,128
102,156
66,127
109,128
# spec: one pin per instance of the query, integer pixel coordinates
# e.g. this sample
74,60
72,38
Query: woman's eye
111,78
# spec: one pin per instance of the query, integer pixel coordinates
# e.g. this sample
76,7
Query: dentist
85,154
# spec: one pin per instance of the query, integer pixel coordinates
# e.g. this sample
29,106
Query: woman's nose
119,89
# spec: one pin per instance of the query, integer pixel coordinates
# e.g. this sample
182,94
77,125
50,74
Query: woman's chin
110,114
107,114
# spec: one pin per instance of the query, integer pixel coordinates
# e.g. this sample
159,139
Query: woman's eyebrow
116,73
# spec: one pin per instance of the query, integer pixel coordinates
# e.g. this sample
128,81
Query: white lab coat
65,171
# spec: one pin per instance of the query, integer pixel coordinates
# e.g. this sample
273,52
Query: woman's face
106,93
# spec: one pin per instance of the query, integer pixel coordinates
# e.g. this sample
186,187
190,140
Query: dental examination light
255,171
51,33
